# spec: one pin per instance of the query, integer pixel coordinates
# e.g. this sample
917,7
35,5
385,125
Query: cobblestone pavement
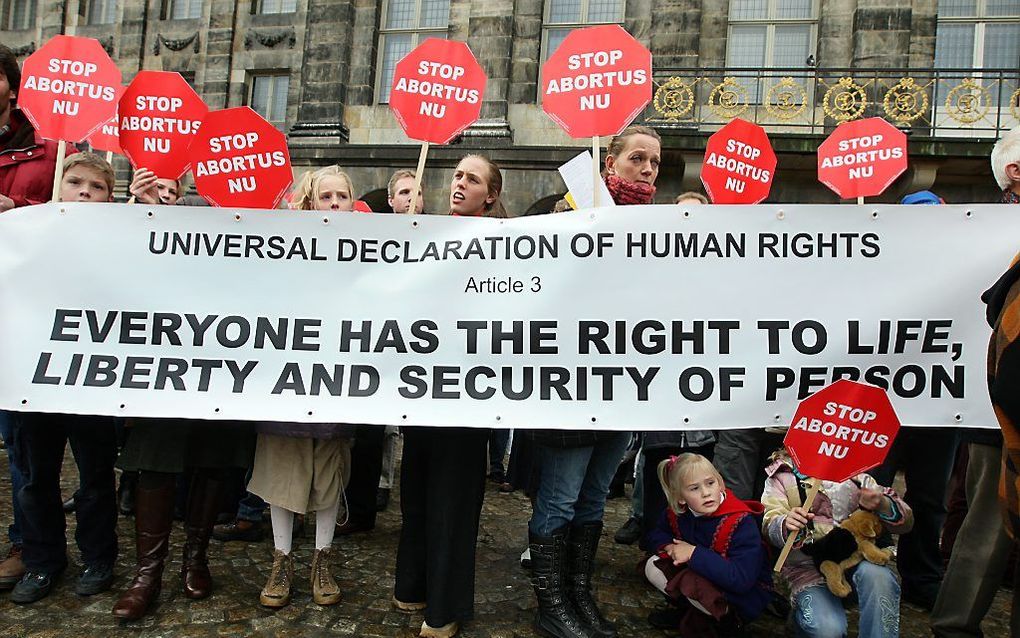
504,603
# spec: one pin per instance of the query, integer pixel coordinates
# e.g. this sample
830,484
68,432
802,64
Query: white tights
283,527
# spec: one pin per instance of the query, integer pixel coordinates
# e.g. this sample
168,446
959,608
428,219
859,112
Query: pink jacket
833,505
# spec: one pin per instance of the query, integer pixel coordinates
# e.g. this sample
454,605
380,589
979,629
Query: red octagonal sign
69,88
597,81
159,114
842,430
739,164
106,137
862,158
240,160
437,90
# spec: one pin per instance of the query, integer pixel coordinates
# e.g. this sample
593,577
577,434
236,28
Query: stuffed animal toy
846,546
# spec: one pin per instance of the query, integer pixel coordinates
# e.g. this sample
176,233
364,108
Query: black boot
126,492
203,505
556,616
582,546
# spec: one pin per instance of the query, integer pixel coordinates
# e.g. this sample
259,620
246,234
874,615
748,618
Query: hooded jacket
741,571
1003,314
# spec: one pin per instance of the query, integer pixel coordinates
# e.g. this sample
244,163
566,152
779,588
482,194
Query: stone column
325,70
675,33
881,33
489,33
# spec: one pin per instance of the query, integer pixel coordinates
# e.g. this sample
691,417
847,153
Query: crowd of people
711,509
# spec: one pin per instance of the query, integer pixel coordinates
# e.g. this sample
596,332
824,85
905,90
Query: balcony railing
970,103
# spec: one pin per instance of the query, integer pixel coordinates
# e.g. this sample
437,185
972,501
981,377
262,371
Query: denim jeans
251,506
819,614
17,477
574,482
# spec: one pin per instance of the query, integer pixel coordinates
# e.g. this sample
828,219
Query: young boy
87,178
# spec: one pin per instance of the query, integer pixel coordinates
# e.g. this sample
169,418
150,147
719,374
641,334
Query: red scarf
626,193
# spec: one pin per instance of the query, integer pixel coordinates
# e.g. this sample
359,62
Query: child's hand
797,519
143,186
875,501
680,552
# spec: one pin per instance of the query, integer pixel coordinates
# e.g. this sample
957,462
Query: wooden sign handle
596,174
809,499
418,173
860,201
58,170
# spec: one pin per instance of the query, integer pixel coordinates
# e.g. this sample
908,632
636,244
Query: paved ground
504,602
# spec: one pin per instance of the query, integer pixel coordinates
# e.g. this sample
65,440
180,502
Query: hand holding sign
595,84
437,93
837,433
239,159
159,114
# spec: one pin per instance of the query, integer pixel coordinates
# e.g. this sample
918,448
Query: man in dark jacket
980,554
27,161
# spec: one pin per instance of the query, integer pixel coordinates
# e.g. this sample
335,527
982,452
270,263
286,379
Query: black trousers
366,468
442,484
926,457
41,439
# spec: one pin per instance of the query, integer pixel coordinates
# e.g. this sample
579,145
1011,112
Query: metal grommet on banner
874,214
325,220
969,214
414,224
687,419
121,406
24,402
687,213
778,418
958,417
309,413
237,218
404,417
593,215
63,211
593,419
498,418
780,215
150,214
216,410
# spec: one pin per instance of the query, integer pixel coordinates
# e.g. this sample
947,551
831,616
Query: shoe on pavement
12,568
446,631
32,587
95,579
240,530
629,533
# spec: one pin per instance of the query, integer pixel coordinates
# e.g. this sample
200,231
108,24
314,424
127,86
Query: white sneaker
526,558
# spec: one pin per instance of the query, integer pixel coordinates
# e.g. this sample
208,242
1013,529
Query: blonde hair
619,142
95,162
396,177
674,473
495,184
306,191
1006,151
690,195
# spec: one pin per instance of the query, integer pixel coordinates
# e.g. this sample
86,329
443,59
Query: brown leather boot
11,569
325,591
154,514
203,506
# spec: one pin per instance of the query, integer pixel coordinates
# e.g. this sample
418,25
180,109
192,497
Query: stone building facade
317,68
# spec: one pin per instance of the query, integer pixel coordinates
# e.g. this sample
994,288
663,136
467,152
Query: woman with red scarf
576,467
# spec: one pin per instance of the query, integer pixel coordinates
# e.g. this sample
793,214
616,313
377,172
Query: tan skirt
300,474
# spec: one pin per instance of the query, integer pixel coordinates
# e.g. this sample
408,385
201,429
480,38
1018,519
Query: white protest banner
636,317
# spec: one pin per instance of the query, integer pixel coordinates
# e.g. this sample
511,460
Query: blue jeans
17,477
819,614
251,506
574,482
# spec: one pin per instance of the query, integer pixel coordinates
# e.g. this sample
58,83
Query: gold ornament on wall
786,100
1014,104
968,102
845,101
674,99
905,101
728,99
